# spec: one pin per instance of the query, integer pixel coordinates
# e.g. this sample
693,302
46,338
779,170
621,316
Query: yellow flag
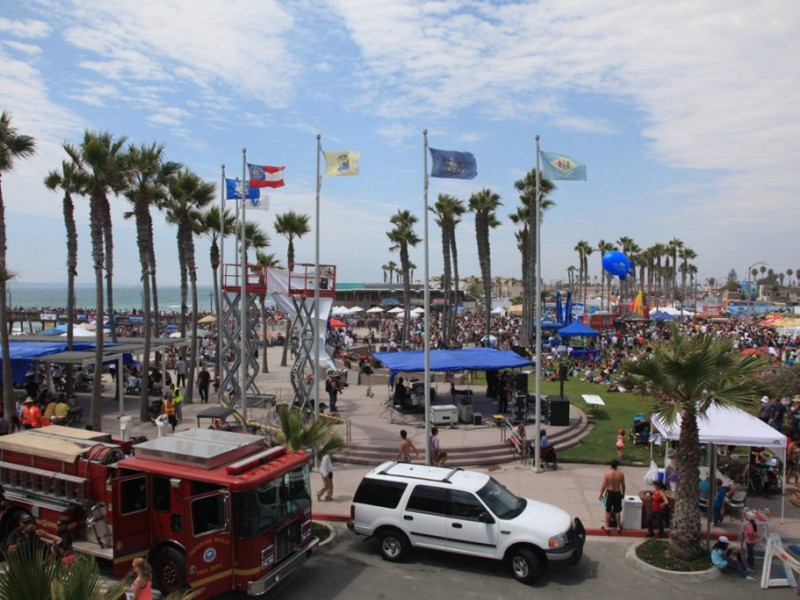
637,306
341,162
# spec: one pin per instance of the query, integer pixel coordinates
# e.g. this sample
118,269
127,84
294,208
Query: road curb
692,577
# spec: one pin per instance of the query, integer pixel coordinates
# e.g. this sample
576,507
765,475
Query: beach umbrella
356,309
375,309
418,310
340,310
395,310
337,323
207,319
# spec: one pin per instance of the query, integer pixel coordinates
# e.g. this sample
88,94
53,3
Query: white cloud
170,116
23,48
25,28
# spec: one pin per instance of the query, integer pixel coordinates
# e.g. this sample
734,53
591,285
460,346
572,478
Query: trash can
465,413
631,512
125,427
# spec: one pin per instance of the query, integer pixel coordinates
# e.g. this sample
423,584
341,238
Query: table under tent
729,426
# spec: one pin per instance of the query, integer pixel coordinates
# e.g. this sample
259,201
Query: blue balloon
616,263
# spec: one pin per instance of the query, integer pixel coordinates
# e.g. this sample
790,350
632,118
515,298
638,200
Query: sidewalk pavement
573,487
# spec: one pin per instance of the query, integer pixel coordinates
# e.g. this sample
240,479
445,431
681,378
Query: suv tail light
352,511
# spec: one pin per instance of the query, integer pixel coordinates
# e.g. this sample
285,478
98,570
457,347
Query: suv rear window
377,492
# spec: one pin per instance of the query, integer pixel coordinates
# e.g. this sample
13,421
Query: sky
686,115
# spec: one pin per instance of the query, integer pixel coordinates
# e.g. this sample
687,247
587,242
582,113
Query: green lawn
599,446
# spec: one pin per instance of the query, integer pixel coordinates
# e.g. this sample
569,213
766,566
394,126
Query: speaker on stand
559,411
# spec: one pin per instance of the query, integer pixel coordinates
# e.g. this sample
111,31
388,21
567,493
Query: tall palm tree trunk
684,535
192,268
98,223
108,237
8,377
456,298
142,231
72,271
153,286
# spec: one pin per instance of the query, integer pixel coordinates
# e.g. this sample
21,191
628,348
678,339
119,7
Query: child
142,586
620,443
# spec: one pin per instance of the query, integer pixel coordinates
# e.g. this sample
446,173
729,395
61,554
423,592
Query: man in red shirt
658,510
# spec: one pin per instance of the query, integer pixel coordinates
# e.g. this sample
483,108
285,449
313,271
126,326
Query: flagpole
537,316
243,295
316,286
221,276
427,305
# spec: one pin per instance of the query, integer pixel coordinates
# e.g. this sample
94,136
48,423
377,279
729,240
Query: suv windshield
500,501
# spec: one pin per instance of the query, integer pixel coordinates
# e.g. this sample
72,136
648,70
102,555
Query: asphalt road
351,568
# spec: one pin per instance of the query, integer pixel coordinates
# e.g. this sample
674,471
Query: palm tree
402,236
457,210
188,196
149,178
392,268
68,181
484,204
603,247
318,435
264,261
103,165
526,240
693,374
290,225
789,273
658,252
685,254
13,145
215,230
584,250
673,247
443,211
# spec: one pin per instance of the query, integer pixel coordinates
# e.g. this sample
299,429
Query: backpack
328,385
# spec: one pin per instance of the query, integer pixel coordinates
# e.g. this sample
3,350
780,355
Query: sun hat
25,518
723,539
28,399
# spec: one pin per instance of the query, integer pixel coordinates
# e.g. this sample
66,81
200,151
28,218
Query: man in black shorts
612,491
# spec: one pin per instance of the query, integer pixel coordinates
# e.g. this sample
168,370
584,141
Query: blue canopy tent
23,353
578,329
662,316
550,325
469,359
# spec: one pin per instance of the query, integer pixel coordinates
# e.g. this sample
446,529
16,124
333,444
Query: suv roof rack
424,472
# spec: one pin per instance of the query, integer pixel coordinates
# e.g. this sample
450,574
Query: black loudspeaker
562,372
559,411
521,382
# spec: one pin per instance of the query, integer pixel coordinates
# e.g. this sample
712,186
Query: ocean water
126,297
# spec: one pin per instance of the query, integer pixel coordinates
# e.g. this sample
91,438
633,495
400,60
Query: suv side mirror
485,517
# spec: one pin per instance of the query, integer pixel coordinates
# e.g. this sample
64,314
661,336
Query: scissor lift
234,317
302,284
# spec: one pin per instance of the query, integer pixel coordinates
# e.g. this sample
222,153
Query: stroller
640,429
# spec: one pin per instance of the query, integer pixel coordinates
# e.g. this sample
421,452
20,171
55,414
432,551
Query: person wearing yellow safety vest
178,399
168,409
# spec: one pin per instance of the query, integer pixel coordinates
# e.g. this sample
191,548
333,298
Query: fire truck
211,510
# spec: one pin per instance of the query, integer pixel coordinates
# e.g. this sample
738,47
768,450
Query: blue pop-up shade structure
24,353
469,359
577,329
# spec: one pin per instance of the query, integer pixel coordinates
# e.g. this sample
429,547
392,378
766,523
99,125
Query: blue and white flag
560,166
233,190
453,165
261,203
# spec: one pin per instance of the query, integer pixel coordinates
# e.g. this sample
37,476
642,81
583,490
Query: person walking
620,443
326,471
180,372
611,491
750,541
333,387
658,510
178,401
406,448
203,384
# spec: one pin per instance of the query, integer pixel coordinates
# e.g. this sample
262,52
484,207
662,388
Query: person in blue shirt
724,557
719,501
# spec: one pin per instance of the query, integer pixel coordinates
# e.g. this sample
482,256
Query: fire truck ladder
23,482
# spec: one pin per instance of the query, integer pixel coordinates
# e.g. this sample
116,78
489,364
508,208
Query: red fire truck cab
210,510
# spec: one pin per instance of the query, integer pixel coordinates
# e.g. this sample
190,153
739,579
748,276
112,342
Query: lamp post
749,291
211,302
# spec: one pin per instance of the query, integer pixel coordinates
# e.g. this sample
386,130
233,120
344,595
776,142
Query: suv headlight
557,541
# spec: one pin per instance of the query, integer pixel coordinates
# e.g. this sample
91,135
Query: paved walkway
573,487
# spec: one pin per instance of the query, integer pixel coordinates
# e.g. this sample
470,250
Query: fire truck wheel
169,572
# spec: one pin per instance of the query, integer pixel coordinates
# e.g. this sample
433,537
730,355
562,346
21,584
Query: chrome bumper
261,586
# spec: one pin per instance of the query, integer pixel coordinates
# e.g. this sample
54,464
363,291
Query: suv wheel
394,545
525,565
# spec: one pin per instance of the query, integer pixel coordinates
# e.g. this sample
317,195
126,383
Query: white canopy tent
375,309
730,426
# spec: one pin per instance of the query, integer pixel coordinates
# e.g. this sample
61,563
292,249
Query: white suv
406,505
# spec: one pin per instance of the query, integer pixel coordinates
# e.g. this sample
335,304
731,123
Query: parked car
466,512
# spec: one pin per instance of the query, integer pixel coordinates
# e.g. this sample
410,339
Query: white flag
261,203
